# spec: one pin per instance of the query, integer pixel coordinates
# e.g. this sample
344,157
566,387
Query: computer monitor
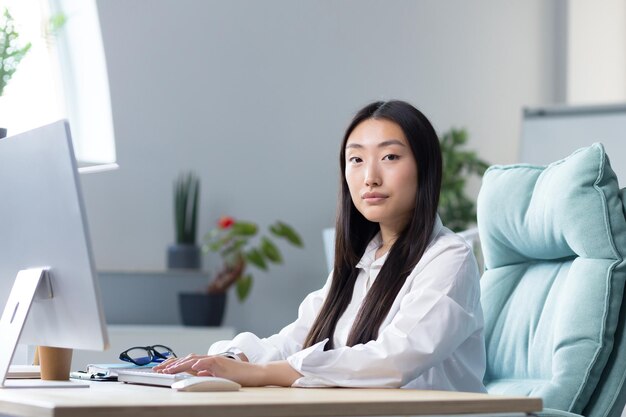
44,234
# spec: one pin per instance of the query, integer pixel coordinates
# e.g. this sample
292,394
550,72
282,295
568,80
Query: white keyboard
149,377
180,382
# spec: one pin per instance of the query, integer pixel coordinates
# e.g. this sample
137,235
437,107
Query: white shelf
183,340
149,298
162,272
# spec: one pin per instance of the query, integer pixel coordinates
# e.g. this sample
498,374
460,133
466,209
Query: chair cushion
553,241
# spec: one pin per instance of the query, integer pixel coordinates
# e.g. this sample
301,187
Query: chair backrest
328,235
553,241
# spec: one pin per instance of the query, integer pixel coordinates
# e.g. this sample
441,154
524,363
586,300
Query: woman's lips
374,198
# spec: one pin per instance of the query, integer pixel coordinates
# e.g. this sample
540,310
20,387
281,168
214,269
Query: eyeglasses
143,355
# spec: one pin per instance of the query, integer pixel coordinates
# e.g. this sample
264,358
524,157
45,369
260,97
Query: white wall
254,95
596,51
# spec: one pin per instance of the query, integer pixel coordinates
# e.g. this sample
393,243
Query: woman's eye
355,160
391,157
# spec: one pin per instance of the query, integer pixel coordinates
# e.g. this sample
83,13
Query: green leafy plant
232,240
457,211
55,24
11,52
186,197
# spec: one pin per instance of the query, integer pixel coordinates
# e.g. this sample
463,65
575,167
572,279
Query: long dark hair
354,231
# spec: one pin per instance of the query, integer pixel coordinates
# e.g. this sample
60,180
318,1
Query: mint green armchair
554,240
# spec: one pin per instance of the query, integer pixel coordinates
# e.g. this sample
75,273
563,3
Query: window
62,76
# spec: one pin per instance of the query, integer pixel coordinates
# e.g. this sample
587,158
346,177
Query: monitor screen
43,224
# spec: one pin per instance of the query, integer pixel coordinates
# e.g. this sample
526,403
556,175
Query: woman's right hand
184,363
244,373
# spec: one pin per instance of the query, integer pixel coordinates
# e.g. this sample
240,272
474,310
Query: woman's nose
372,176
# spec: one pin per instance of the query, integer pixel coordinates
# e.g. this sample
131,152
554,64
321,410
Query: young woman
401,307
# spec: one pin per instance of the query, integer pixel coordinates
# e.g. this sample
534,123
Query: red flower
225,222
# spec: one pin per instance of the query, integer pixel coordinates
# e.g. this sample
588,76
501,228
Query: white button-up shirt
432,337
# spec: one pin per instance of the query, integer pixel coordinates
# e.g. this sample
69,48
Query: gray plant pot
183,256
201,309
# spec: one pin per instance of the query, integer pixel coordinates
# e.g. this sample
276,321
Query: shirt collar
369,256
369,260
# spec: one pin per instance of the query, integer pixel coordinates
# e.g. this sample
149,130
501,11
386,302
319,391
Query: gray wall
254,95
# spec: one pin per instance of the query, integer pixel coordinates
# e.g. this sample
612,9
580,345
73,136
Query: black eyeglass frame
152,354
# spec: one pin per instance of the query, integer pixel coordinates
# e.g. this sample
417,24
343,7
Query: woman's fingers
164,364
178,365
244,373
204,365
207,363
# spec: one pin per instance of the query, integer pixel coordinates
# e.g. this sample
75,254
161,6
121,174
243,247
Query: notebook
111,369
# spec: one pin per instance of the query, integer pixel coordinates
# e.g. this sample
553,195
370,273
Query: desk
119,400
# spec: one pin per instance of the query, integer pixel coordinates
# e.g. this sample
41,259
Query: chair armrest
551,412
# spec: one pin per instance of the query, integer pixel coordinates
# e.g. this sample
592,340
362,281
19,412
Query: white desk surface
121,400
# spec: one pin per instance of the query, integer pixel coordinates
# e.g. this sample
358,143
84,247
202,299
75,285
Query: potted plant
185,253
457,211
11,53
235,243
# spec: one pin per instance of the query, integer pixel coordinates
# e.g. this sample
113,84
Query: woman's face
381,173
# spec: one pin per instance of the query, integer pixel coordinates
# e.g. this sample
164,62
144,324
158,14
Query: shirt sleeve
438,313
283,344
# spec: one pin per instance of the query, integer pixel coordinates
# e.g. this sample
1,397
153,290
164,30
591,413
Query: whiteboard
552,133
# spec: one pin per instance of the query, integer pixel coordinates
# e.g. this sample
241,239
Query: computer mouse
205,384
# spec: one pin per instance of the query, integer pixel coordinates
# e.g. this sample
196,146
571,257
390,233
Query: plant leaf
10,51
214,246
56,22
192,225
244,284
283,230
270,251
256,258
244,228
186,197
212,234
455,208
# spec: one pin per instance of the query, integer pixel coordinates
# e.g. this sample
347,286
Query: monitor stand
30,284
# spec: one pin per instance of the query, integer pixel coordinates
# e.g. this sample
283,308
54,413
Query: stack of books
24,372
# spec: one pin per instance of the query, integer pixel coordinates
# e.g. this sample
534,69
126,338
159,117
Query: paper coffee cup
55,363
